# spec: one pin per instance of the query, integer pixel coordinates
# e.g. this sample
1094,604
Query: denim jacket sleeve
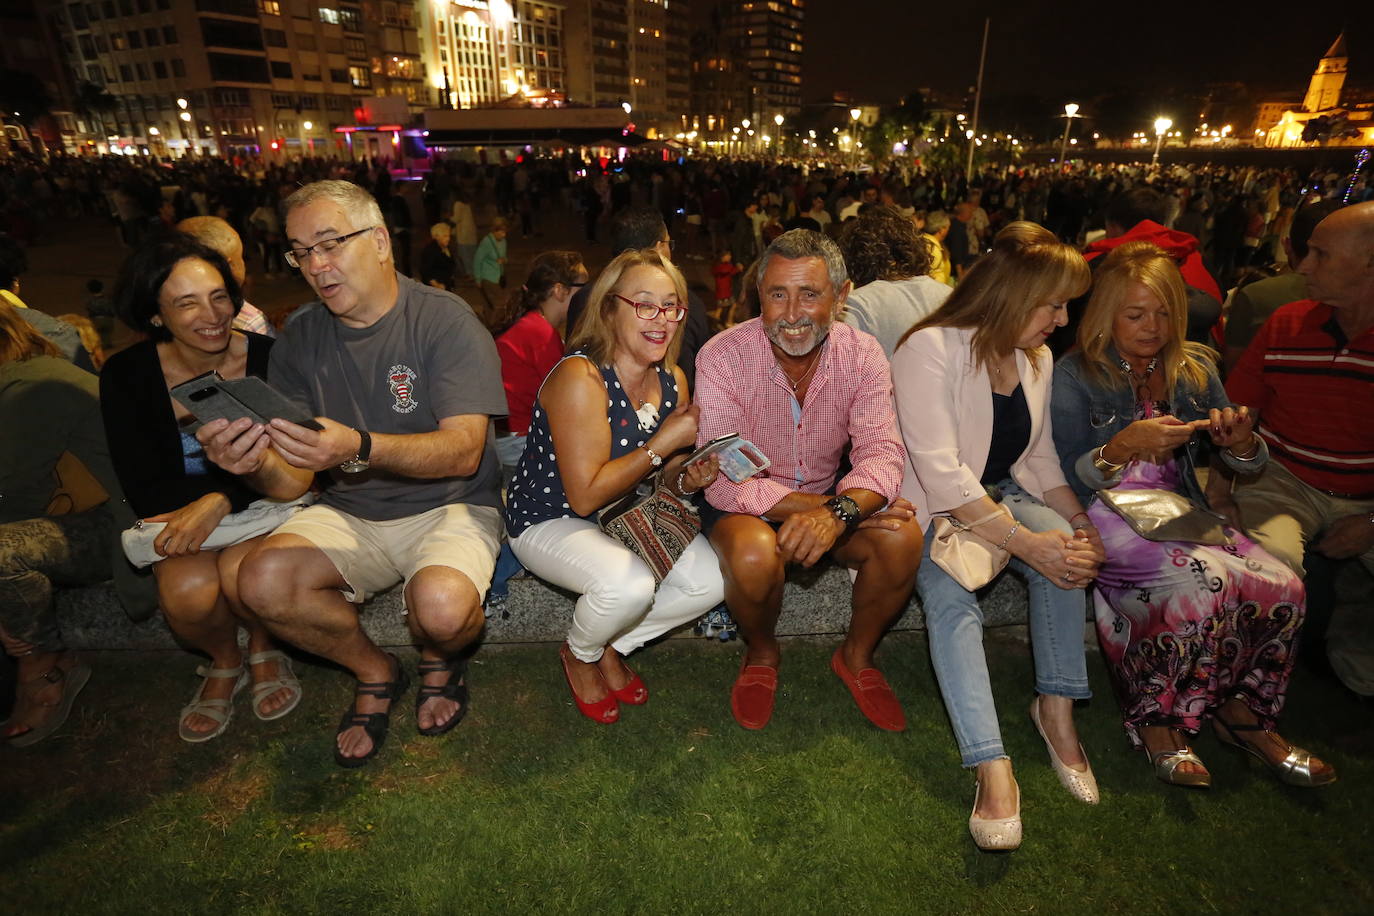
1076,434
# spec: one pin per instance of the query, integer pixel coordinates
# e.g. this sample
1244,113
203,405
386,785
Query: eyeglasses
296,256
651,310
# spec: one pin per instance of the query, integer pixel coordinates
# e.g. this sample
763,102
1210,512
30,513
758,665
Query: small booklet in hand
210,397
739,458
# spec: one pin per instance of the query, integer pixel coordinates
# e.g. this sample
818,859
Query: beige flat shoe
1082,785
1001,834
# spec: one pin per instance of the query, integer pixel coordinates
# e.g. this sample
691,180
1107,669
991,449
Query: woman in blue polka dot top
609,415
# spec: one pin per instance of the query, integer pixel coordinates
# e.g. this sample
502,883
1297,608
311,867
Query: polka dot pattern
536,493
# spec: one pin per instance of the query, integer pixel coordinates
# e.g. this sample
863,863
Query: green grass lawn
527,807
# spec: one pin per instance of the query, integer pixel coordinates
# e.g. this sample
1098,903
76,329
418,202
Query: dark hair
547,270
635,228
95,287
13,261
1305,223
143,273
883,244
1130,207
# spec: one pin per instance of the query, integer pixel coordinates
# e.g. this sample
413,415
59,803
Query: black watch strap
845,509
365,445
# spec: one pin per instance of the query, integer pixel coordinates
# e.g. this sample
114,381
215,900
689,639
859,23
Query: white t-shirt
887,309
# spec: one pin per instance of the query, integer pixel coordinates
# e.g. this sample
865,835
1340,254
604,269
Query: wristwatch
844,509
655,459
358,462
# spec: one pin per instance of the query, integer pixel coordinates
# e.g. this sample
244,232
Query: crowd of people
930,383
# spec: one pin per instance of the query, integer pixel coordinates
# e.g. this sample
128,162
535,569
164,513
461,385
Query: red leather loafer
604,710
873,694
751,699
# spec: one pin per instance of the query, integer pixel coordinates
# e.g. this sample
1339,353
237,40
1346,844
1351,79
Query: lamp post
185,117
1162,125
854,115
778,119
1070,112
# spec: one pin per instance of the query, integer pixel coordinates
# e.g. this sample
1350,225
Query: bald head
1339,266
217,234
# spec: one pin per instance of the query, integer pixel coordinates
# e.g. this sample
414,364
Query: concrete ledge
815,601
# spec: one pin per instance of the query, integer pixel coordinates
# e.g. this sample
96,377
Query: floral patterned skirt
1186,627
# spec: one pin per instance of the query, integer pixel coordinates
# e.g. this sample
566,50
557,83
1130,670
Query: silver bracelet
1015,527
681,490
1250,457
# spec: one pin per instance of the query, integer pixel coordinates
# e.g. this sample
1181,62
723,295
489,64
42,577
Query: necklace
646,413
1131,373
815,360
1142,382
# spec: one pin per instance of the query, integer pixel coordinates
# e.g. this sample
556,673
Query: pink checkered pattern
742,389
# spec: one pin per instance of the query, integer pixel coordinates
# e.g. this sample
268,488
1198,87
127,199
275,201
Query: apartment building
631,52
226,76
489,53
746,64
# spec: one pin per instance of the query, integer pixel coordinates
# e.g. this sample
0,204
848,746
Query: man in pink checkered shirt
802,387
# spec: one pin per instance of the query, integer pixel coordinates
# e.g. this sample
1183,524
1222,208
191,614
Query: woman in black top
184,297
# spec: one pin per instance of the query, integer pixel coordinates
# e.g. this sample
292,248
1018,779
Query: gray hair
796,244
936,220
361,207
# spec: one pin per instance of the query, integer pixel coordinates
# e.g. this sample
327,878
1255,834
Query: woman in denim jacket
1190,632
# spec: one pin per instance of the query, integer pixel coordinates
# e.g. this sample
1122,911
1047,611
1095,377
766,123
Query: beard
793,346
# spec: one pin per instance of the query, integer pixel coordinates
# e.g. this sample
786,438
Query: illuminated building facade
488,52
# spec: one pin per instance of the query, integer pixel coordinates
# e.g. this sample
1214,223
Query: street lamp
1162,124
185,117
854,115
1070,112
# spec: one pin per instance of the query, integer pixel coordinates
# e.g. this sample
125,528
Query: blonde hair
18,339
1148,265
1027,267
595,332
90,337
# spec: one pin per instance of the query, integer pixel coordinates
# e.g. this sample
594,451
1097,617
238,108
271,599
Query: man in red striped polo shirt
1309,373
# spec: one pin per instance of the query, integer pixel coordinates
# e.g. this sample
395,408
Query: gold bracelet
1104,467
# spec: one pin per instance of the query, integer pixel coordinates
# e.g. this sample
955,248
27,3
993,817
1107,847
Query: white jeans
619,605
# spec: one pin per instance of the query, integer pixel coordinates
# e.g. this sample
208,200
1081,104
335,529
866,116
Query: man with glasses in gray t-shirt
404,381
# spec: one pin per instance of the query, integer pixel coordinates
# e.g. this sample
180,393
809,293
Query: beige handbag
1163,515
969,559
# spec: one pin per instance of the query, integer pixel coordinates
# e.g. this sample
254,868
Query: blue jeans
954,626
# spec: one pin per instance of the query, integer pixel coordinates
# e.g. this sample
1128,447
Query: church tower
1325,89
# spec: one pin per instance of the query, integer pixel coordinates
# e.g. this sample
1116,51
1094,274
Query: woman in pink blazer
972,384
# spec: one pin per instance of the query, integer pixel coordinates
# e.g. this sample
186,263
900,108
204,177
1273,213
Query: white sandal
221,711
285,679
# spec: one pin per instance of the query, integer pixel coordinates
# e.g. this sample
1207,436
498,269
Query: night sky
880,49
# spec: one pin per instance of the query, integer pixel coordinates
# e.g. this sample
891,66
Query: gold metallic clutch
1163,515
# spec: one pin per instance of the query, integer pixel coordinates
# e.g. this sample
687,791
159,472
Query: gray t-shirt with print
428,358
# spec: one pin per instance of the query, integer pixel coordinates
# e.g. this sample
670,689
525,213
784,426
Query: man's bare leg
445,615
886,562
754,576
295,590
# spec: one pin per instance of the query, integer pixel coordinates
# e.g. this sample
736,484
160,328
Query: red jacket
1180,246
